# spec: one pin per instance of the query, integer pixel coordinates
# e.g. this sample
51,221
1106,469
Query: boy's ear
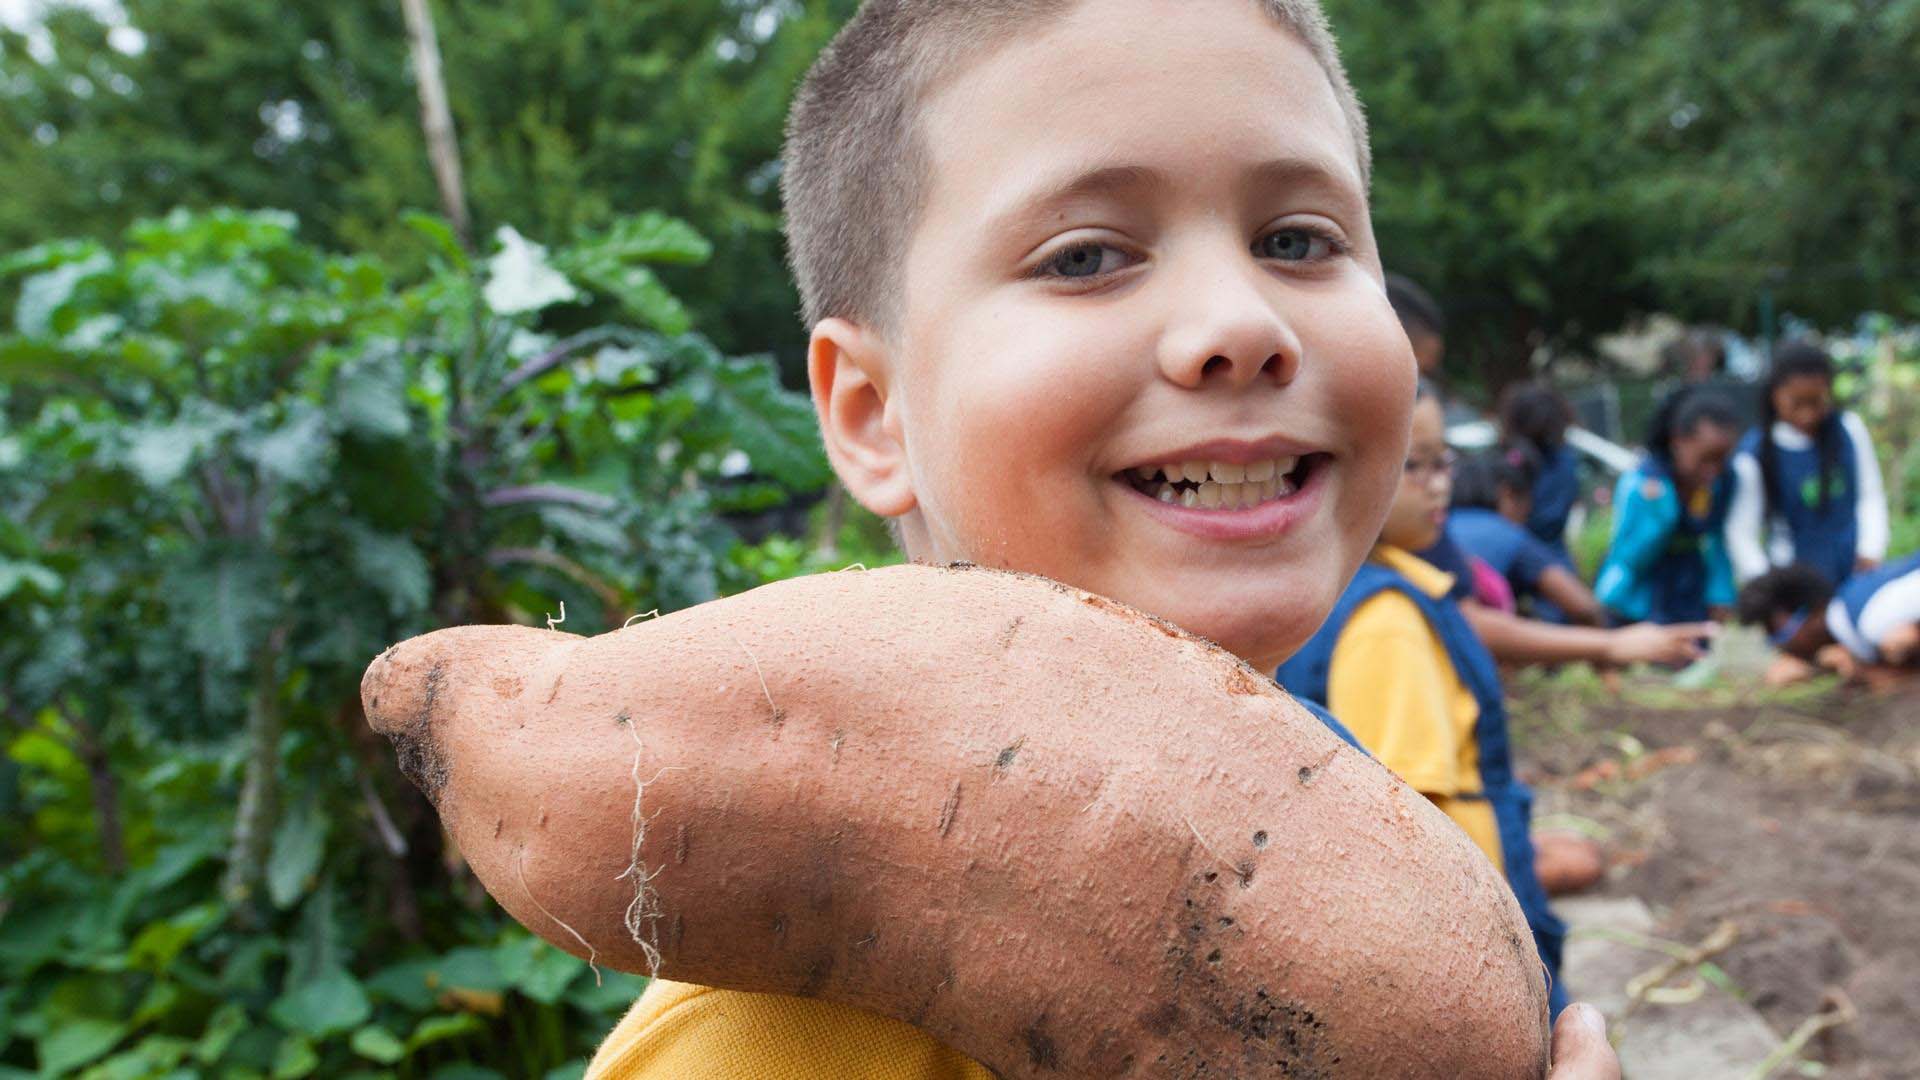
849,368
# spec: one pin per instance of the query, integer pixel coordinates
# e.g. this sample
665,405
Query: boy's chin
1263,631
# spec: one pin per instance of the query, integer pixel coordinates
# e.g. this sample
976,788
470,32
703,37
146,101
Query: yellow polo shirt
678,1031
1393,685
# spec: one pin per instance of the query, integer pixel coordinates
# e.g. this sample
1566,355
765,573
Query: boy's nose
1231,334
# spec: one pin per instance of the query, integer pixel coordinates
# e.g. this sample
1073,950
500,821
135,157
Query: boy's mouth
1219,485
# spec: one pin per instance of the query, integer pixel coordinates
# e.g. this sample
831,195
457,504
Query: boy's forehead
1137,94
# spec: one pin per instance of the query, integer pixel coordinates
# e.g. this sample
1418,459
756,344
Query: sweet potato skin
1058,834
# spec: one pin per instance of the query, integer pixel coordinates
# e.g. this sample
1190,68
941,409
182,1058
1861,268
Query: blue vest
1861,588
1555,490
1321,714
1824,537
1678,579
1306,676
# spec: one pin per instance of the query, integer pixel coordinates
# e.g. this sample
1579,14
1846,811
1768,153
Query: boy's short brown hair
854,169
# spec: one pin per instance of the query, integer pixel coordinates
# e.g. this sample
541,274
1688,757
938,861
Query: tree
571,113
1551,170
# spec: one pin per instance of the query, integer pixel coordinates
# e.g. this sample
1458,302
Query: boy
1094,294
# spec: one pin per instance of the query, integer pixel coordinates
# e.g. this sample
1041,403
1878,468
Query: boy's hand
1863,564
1580,1047
1648,643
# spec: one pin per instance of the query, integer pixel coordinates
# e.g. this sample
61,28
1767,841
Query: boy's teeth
1215,485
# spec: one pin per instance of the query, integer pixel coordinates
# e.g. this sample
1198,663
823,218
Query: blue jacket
1825,535
1667,563
1307,674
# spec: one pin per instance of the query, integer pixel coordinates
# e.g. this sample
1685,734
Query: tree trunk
436,118
260,790
105,788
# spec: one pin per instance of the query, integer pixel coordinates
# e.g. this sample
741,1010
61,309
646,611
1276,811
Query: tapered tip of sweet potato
407,689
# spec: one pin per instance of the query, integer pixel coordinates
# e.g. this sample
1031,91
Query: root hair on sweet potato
593,954
643,914
1243,872
631,619
553,623
777,716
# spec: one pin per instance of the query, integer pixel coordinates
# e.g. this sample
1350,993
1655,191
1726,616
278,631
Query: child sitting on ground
1668,561
1868,628
1492,498
1807,484
1535,417
1398,663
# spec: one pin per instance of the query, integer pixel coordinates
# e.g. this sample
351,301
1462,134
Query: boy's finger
1700,629
1580,1048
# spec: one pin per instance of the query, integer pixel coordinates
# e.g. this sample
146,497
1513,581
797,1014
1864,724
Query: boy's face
1144,260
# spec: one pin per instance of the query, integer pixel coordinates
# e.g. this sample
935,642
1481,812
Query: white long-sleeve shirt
1756,545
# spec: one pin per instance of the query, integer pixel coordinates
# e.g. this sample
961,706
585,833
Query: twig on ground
1835,1010
1649,986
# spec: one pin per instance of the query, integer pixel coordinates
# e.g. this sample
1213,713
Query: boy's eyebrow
1034,201
1027,207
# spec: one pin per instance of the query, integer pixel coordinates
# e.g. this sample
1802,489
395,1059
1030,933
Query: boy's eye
1294,245
1084,261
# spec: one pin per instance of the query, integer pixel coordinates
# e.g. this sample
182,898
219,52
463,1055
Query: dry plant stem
1641,987
1835,1011
994,837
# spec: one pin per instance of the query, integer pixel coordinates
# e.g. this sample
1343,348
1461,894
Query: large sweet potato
1056,833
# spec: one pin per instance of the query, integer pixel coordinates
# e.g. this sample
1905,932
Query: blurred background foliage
242,450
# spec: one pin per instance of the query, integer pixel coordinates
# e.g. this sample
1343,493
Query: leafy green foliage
569,113
233,468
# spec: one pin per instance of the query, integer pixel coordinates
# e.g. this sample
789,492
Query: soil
1798,819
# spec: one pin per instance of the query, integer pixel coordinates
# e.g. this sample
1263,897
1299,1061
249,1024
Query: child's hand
1648,643
1837,659
1863,564
1785,670
1580,1047
1901,645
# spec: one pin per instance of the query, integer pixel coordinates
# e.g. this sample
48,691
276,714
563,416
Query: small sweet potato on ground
1058,834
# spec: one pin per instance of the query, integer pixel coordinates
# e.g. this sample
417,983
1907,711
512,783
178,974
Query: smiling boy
1094,294
1139,243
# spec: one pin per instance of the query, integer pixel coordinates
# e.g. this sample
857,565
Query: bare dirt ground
1796,818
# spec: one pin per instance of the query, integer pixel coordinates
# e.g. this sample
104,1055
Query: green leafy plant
233,467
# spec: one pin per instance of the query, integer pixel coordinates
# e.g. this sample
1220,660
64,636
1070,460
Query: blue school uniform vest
1824,537
1321,714
1555,489
1306,676
1674,588
1859,590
